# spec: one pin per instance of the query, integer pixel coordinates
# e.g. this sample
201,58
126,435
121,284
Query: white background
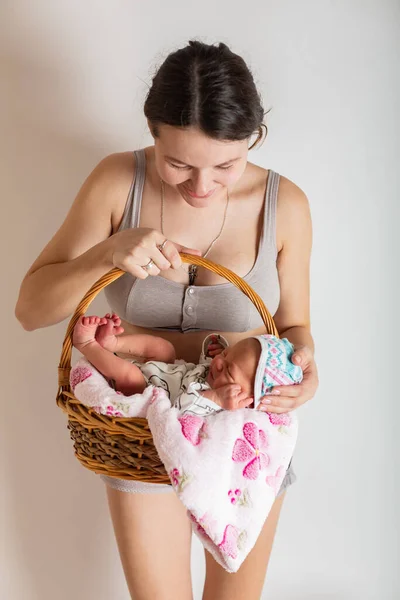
74,78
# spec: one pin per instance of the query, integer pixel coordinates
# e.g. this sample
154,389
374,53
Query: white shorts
138,487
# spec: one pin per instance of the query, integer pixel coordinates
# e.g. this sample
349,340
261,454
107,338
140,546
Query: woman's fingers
171,251
282,399
163,256
147,261
186,250
284,404
145,252
289,397
136,266
286,398
166,255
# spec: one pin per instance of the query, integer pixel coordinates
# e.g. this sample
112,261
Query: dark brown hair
209,87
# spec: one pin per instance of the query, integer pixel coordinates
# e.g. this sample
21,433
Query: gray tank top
159,303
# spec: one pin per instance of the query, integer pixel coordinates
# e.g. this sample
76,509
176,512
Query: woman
194,188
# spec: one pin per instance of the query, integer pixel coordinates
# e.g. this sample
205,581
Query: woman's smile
194,195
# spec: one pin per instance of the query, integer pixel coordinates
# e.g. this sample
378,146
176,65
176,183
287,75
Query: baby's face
236,364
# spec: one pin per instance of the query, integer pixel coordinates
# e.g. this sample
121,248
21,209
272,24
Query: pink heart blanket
226,468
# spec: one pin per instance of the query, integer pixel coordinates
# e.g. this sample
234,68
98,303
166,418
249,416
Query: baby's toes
109,327
89,322
113,317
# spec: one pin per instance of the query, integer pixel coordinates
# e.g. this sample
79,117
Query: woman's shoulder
289,193
113,176
118,166
292,212
290,196
292,203
288,190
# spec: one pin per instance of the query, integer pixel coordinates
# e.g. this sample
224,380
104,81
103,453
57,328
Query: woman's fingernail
275,392
266,401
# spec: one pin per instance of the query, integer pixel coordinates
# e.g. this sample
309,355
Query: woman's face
198,167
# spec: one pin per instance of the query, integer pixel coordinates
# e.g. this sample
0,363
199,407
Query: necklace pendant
192,274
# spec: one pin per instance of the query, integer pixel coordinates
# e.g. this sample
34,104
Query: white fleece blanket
226,468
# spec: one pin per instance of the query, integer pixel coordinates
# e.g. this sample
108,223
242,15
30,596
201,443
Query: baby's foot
85,330
106,334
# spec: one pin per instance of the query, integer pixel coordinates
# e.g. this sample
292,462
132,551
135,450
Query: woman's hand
142,252
286,398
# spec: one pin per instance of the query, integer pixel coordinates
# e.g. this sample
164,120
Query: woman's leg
248,582
154,539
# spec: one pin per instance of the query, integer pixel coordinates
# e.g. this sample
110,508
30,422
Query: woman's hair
208,87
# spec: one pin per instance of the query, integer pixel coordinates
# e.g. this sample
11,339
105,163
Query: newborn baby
225,377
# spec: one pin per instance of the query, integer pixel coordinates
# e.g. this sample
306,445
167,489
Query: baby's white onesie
183,381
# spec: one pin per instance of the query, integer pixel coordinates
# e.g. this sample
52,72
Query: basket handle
65,361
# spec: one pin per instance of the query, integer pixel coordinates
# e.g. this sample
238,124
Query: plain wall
74,78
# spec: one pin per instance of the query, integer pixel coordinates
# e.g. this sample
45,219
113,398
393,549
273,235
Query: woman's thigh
249,580
153,535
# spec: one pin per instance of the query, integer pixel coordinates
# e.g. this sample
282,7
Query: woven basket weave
120,447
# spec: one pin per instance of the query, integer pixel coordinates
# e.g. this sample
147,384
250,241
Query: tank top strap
131,216
270,205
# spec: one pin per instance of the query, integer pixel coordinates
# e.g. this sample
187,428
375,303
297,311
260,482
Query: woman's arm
299,336
294,228
292,318
81,250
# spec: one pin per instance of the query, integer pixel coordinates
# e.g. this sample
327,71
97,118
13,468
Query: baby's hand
231,397
215,347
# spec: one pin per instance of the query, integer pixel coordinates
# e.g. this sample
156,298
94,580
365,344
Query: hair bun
209,87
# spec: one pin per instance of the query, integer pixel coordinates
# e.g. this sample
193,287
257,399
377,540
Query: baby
223,379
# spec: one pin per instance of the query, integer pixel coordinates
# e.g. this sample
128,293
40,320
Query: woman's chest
227,234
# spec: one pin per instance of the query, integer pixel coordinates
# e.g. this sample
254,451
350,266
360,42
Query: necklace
194,268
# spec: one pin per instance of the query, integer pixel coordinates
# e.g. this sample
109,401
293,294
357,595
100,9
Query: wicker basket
120,447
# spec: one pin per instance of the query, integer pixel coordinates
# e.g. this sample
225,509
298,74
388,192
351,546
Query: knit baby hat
275,366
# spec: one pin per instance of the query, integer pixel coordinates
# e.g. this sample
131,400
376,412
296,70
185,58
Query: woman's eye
181,168
177,167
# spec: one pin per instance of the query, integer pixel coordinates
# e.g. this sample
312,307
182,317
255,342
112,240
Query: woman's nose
201,183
